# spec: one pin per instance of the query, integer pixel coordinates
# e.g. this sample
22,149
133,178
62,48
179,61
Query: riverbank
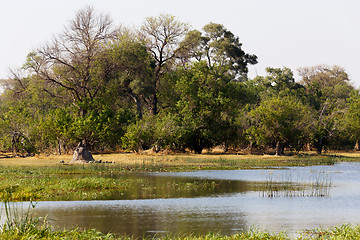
35,229
48,178
188,161
44,178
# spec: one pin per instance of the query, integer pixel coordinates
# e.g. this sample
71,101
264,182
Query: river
232,208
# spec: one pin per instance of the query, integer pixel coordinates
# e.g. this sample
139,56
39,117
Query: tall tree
219,46
74,60
133,69
207,101
327,88
281,121
277,82
351,119
162,36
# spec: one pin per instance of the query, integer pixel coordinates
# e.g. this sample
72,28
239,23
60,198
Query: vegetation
29,227
23,225
35,179
30,179
167,87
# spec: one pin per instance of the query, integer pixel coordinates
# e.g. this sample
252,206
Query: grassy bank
45,178
188,162
35,229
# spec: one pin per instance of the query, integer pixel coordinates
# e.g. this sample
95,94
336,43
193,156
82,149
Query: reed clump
318,185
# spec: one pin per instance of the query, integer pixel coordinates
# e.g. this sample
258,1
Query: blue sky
290,33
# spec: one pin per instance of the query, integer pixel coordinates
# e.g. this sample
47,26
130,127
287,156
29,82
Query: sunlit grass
188,161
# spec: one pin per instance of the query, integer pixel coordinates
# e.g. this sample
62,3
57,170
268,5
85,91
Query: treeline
164,86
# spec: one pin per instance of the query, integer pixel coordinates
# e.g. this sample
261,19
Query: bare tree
162,35
74,60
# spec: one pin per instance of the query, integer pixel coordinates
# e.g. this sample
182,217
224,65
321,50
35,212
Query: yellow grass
132,159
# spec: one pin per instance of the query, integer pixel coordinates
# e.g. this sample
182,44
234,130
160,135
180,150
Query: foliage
165,86
218,46
206,101
283,121
328,89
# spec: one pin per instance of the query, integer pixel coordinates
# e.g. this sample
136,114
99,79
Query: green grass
92,181
85,183
37,229
23,225
26,180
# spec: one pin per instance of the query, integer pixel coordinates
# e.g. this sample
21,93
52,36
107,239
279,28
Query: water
232,208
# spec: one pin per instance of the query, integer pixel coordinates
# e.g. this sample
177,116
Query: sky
282,33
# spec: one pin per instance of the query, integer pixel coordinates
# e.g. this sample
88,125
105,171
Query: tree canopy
166,86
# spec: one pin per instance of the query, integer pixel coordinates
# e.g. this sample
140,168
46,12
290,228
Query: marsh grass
73,184
181,162
345,231
23,225
318,185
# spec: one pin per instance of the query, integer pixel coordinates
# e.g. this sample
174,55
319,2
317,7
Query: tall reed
318,185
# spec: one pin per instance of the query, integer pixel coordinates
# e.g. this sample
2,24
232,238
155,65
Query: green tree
132,71
351,119
23,105
206,100
280,121
277,82
327,89
162,36
219,46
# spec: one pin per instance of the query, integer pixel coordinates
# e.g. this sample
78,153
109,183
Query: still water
232,207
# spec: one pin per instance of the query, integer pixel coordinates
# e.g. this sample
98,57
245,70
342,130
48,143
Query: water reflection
151,186
231,206
147,217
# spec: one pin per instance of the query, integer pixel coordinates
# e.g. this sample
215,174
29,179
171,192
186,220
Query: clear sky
290,33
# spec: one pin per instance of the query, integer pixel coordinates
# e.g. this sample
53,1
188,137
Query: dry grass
162,159
133,159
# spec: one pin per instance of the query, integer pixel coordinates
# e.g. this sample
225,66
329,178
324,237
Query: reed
318,185
26,226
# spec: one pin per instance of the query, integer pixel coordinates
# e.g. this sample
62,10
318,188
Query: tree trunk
320,146
138,108
14,142
154,100
357,147
138,105
279,149
153,105
59,146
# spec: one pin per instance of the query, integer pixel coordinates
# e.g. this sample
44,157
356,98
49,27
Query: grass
37,186
44,177
318,184
179,162
30,227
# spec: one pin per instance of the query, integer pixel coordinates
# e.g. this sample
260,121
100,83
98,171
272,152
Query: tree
278,82
132,69
351,118
23,105
162,36
74,60
219,46
327,89
282,121
206,99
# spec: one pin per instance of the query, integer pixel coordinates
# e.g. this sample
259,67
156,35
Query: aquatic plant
318,185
